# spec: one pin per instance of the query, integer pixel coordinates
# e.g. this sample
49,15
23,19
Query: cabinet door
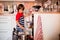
6,27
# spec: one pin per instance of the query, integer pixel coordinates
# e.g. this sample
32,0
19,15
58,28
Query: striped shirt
20,18
21,21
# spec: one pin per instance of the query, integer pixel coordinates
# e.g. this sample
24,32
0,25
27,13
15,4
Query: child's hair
20,6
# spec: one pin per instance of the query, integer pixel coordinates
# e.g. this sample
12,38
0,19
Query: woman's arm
19,25
28,14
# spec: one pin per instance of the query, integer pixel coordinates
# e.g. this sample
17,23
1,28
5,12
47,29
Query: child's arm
19,25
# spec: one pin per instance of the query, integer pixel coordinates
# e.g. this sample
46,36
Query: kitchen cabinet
50,25
7,22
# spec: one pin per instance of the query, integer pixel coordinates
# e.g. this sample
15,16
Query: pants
19,29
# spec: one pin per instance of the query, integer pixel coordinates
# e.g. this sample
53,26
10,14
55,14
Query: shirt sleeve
17,16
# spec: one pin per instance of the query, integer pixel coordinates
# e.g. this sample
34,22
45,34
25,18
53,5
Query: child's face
20,10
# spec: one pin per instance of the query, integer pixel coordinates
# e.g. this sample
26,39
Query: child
20,18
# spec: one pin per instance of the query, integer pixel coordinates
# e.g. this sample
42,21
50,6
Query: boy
20,18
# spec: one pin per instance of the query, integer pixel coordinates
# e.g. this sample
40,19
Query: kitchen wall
11,4
17,0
